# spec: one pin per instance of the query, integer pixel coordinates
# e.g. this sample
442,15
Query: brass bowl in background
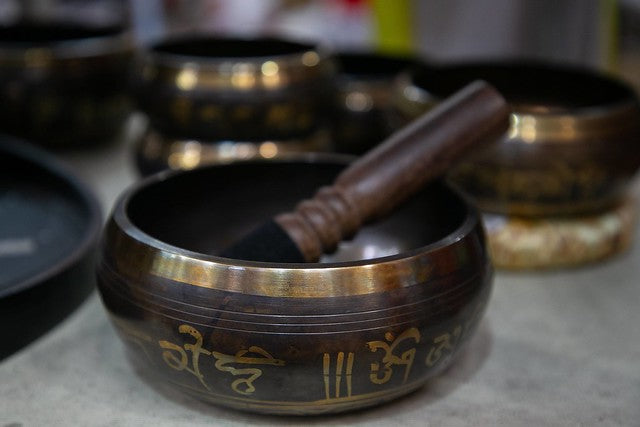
371,322
573,143
362,99
156,152
212,88
64,84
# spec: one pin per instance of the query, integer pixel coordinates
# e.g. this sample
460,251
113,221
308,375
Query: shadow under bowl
64,84
369,323
572,147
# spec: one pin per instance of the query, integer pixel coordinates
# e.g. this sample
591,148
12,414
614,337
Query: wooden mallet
376,183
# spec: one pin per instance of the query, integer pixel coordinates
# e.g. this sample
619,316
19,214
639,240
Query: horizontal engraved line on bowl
433,315
373,396
302,328
220,322
446,292
451,294
436,316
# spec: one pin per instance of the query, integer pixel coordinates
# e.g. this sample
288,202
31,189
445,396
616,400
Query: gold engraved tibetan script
342,367
177,357
381,374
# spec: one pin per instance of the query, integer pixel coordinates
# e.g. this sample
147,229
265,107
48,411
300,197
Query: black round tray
49,228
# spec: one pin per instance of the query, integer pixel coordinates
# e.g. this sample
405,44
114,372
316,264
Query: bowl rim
153,54
281,279
101,40
573,124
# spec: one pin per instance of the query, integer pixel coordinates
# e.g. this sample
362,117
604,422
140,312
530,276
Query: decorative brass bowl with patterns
64,84
362,98
211,88
156,152
369,323
573,143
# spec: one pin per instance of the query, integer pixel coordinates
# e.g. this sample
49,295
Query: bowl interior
212,47
46,221
532,87
207,209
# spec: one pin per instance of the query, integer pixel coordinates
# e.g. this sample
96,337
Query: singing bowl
64,84
369,323
156,152
207,87
572,147
362,99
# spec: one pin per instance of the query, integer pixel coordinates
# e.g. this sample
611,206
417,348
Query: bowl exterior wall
66,100
552,161
295,355
238,99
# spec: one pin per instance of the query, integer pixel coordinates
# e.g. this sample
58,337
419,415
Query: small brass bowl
64,84
156,152
573,143
362,101
369,323
212,88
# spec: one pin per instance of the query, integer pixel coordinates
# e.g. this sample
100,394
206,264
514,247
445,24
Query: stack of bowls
556,187
64,84
214,100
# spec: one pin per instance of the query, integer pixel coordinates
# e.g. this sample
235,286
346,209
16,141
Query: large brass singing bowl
369,323
211,88
573,143
64,84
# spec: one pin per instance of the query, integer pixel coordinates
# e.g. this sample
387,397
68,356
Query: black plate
49,228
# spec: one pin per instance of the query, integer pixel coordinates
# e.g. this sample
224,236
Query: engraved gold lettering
390,359
340,364
245,385
442,345
181,363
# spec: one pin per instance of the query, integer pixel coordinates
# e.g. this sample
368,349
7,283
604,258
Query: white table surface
558,348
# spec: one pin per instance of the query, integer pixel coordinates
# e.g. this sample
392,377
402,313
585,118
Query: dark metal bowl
573,143
64,84
371,322
212,88
49,229
362,100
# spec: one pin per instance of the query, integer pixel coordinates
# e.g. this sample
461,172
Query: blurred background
601,33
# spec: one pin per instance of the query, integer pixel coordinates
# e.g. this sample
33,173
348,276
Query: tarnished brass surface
64,84
369,323
156,152
573,143
209,87
362,100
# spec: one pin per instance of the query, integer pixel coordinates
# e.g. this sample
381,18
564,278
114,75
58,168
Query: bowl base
554,242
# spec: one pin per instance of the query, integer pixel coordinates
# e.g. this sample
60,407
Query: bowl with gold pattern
572,147
362,98
208,87
156,152
64,84
370,322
